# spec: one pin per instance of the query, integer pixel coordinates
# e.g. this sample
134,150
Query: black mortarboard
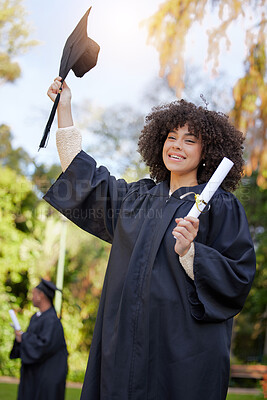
79,54
48,288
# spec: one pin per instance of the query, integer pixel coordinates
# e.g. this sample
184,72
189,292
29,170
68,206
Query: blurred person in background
42,350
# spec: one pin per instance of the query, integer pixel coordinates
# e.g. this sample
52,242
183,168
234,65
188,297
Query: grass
244,397
8,391
72,394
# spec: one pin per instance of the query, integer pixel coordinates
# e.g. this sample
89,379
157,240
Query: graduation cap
79,54
48,288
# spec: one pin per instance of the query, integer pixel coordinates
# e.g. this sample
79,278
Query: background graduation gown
43,356
158,334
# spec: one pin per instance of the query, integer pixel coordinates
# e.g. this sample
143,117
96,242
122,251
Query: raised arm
64,113
68,138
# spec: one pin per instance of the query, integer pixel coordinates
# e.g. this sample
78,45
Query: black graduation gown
43,354
158,334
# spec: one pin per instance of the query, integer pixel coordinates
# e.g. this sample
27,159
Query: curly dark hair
219,139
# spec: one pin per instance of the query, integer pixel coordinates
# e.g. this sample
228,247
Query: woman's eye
171,137
190,141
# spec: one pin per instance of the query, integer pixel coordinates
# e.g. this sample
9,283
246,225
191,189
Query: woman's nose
178,144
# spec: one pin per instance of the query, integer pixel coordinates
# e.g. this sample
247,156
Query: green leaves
14,38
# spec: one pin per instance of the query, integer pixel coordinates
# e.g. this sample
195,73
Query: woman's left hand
184,233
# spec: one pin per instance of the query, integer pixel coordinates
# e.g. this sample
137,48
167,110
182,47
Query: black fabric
158,335
43,356
80,54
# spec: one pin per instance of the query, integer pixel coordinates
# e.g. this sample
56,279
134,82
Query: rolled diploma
211,187
15,320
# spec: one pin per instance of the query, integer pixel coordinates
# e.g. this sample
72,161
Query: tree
17,159
250,341
44,176
14,38
113,134
20,224
169,26
250,110
167,31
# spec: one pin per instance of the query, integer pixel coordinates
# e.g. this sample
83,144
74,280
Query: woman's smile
176,157
182,153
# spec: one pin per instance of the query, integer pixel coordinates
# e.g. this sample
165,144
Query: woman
173,283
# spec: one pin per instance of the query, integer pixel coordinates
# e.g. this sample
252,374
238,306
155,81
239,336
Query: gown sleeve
224,262
15,352
89,196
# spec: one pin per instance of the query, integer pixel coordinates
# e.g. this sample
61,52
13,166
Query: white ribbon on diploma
211,187
14,320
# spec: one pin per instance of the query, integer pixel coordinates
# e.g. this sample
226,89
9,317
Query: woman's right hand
64,106
65,97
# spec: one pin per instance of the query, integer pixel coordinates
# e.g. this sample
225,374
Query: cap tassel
44,139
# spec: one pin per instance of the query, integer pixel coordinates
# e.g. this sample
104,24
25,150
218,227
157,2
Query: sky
126,63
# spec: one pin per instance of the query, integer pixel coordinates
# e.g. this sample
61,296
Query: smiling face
181,155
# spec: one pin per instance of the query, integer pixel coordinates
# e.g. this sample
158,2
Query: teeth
176,157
